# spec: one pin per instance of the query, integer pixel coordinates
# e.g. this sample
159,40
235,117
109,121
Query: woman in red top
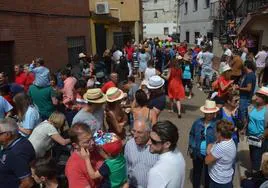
224,82
29,77
175,87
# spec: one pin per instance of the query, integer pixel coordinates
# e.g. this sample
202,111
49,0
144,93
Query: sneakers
190,96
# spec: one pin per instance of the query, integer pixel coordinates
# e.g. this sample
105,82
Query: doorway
100,34
6,57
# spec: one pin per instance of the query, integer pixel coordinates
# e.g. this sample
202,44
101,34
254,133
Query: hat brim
122,95
97,101
202,109
156,87
262,93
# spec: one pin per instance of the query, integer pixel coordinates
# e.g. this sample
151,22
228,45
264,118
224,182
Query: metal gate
76,45
6,51
121,38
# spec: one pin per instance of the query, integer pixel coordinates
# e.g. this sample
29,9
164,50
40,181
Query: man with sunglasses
169,170
137,154
15,157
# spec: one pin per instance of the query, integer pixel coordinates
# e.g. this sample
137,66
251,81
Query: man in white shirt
227,51
169,170
199,40
260,59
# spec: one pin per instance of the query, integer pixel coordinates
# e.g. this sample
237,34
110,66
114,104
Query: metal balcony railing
216,13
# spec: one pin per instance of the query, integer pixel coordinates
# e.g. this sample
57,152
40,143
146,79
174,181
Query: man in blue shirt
15,157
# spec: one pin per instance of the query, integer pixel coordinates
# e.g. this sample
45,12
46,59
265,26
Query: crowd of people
96,123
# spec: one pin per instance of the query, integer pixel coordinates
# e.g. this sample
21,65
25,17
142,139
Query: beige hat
263,91
225,68
114,94
81,55
94,96
209,107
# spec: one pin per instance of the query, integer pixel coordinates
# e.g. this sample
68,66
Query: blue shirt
31,119
15,162
41,76
203,145
249,78
256,122
207,60
187,72
4,107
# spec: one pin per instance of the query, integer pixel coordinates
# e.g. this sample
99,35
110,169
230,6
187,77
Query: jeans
213,184
198,165
243,108
255,157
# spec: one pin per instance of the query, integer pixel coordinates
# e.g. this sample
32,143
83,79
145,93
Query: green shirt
41,97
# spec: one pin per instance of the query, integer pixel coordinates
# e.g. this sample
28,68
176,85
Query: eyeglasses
155,142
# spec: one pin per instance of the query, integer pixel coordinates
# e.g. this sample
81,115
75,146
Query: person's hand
209,148
84,153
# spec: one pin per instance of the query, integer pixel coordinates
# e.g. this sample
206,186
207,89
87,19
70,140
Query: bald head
141,131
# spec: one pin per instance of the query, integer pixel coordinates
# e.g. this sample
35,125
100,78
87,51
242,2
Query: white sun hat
155,82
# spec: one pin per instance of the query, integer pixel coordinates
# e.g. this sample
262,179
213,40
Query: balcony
216,12
250,6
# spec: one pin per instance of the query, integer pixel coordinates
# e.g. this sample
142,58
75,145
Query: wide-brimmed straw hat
81,55
114,94
209,107
94,96
155,82
263,91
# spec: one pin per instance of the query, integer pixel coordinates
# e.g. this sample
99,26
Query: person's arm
153,116
210,159
225,87
26,182
248,88
91,172
25,131
59,139
112,121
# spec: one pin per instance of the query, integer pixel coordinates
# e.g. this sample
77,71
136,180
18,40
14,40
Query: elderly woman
201,135
115,116
221,156
257,127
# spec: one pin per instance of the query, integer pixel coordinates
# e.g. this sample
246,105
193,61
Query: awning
104,18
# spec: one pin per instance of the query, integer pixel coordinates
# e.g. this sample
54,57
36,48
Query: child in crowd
44,172
113,170
187,69
41,73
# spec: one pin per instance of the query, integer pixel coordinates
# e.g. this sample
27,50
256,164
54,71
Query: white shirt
168,172
260,58
222,170
199,40
228,52
116,55
149,72
200,58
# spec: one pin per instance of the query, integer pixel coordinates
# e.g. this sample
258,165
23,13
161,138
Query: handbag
254,141
238,123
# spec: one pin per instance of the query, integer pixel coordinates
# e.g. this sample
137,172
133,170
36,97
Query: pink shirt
68,91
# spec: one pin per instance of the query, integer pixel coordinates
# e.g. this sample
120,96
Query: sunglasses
155,142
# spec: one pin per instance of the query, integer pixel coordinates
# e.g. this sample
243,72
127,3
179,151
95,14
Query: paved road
191,108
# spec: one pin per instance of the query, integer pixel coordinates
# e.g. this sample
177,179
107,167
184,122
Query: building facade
57,31
160,18
195,20
114,22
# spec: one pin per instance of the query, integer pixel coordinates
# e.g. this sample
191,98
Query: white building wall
194,20
167,16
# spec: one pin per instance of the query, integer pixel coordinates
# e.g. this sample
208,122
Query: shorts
206,72
188,83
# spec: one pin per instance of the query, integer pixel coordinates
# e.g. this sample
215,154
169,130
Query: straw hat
225,68
155,82
179,57
114,94
209,107
94,96
81,55
263,91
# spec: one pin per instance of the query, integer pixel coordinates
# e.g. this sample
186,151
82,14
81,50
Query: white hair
146,121
8,125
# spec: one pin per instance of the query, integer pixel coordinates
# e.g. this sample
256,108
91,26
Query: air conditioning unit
102,8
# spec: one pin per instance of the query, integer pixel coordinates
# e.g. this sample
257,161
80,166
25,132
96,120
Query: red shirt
29,81
76,171
130,51
182,50
222,80
107,85
20,79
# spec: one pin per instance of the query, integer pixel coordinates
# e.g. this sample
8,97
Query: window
186,8
155,14
187,36
166,32
195,5
207,3
75,45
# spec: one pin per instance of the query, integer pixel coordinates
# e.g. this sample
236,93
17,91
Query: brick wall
41,35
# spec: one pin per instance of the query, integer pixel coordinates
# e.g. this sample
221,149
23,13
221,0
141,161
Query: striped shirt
222,170
139,162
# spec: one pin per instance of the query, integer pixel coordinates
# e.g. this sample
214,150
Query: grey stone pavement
191,113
